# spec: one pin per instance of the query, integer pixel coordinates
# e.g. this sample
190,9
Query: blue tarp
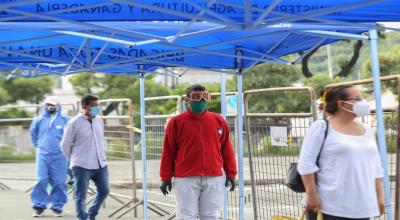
216,50
122,35
169,10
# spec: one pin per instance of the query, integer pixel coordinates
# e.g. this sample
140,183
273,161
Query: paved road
15,205
15,202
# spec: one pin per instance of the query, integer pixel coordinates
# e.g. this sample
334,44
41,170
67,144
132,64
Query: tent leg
143,139
379,117
239,74
240,141
223,113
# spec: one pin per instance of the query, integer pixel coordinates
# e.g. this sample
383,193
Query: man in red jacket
196,148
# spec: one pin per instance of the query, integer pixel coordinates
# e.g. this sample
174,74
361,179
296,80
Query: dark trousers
313,216
82,178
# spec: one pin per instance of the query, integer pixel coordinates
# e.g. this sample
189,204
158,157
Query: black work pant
313,216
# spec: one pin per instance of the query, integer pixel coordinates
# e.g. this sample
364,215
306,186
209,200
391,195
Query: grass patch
7,154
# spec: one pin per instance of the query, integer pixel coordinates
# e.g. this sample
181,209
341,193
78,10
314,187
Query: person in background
320,105
83,145
347,182
320,109
196,148
51,166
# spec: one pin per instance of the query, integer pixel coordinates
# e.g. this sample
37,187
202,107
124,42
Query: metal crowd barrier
392,123
232,198
14,132
274,140
120,151
155,131
15,141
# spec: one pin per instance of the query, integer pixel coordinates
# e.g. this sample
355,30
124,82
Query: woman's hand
381,205
380,195
313,202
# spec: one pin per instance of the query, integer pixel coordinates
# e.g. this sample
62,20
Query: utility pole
328,51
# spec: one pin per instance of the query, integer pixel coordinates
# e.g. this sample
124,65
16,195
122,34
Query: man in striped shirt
83,145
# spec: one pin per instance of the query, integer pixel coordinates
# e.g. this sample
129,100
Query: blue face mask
95,110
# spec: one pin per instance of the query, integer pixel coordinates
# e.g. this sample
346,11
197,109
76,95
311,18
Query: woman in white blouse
347,182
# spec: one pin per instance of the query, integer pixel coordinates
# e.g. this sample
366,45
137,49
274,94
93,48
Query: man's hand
165,187
232,181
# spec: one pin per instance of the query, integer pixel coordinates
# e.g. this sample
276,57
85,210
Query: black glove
164,186
232,181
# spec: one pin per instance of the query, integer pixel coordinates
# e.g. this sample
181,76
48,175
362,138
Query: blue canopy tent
231,12
66,46
66,37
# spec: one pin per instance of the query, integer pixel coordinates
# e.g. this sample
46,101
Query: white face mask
360,108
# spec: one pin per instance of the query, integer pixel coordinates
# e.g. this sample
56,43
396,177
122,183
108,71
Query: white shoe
57,213
38,213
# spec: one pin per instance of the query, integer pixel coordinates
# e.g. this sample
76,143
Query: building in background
191,76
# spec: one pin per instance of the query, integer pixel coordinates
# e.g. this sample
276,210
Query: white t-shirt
348,168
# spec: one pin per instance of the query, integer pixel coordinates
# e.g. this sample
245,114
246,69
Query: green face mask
198,107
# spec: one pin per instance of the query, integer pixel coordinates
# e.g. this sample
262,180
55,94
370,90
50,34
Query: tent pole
223,94
239,74
143,140
373,37
88,53
223,113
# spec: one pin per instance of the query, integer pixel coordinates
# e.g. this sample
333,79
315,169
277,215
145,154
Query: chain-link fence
390,88
274,139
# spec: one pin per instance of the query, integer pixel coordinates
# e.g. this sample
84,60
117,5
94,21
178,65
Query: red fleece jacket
197,145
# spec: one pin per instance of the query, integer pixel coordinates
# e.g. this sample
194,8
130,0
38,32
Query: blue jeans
82,178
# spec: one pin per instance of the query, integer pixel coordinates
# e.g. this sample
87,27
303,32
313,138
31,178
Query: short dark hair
86,99
335,94
195,87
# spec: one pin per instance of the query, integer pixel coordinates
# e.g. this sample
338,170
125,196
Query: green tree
271,75
388,63
111,86
31,90
346,66
15,113
84,83
4,96
319,81
151,89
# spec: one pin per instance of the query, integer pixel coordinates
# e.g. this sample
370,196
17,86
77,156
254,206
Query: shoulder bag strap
323,142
